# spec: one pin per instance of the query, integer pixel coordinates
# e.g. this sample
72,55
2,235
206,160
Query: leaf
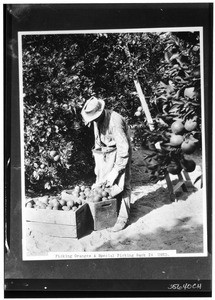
190,92
174,56
150,155
195,104
198,178
162,97
167,57
174,109
180,102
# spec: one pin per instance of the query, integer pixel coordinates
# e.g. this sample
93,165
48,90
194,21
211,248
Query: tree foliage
60,72
175,95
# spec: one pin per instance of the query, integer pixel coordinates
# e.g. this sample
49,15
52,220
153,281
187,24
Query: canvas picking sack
105,159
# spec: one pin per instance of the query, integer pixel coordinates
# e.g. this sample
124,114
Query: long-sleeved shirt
113,132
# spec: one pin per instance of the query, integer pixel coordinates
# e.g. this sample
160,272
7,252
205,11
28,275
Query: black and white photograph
108,134
112,143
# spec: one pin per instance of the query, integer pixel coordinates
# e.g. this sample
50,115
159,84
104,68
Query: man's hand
95,185
111,177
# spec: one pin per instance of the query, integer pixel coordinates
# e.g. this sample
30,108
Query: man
112,153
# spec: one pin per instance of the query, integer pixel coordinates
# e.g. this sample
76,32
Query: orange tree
60,72
57,145
175,104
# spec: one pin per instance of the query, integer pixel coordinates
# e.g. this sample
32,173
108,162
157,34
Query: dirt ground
155,222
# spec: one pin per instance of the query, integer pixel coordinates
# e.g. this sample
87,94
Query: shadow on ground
158,224
154,200
183,240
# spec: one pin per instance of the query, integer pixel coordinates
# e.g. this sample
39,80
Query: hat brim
88,119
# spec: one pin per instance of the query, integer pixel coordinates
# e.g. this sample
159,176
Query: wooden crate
103,214
58,223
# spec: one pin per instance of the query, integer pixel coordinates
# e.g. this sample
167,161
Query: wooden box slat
53,216
104,213
60,223
54,230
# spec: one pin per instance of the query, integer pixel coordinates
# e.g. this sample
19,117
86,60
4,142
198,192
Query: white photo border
112,254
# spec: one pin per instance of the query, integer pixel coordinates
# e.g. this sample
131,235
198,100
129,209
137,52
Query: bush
52,105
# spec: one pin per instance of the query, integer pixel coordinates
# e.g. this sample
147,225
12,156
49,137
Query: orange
65,208
57,157
82,188
77,188
70,203
75,194
86,193
97,198
137,113
190,125
177,127
39,203
79,201
29,205
188,146
188,165
104,194
42,206
52,153
104,198
99,191
108,190
62,202
54,201
90,199
55,207
176,140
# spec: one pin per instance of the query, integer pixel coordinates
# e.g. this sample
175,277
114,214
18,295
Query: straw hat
92,109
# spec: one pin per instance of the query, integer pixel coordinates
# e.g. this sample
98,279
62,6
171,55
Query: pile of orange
55,204
97,194
72,199
182,136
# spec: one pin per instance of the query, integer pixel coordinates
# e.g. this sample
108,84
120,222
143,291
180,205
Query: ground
155,222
